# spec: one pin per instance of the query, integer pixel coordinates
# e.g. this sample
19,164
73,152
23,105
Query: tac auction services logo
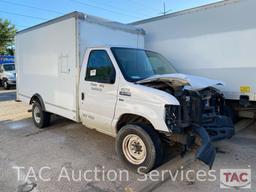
235,178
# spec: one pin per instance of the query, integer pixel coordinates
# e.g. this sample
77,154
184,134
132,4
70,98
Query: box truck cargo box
49,57
216,41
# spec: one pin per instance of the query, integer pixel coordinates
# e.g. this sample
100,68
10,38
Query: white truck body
49,57
216,41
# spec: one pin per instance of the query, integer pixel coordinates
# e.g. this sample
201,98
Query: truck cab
7,75
137,96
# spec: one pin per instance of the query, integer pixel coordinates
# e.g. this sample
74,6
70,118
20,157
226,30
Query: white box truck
216,41
96,72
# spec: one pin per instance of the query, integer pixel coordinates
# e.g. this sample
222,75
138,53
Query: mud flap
206,152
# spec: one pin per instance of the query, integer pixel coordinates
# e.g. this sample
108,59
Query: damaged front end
204,108
200,115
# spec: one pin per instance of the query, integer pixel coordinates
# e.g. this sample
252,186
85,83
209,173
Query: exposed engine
204,107
201,112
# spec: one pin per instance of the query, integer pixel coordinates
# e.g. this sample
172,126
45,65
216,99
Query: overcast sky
26,13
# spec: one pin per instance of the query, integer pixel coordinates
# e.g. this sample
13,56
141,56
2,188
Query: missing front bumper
206,152
220,128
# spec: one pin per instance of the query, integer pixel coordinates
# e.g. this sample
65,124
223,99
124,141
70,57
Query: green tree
7,34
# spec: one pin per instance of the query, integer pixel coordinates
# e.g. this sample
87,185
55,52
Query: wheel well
130,118
37,98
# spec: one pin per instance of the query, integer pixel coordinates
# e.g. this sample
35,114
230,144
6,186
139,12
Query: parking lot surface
7,95
63,144
236,153
68,145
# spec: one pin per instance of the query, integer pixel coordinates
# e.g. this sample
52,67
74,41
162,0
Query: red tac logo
235,178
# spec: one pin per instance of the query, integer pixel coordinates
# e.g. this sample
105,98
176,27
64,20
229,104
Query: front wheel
41,118
139,146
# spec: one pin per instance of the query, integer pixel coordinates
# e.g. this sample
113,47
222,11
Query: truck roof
188,11
89,18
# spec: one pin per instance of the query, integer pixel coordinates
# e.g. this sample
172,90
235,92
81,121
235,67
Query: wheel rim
37,115
5,84
134,149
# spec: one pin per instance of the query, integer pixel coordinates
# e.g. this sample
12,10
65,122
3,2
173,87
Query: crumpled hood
189,81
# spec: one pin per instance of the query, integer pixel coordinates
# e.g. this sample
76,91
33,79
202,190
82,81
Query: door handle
82,96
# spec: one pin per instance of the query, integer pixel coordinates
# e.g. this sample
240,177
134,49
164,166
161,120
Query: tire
6,85
148,140
40,118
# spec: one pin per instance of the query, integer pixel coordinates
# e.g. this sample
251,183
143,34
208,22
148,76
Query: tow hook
206,152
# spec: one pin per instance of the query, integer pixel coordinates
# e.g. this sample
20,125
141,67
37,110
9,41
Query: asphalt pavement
68,157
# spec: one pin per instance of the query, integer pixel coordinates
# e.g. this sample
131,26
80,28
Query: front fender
146,102
155,116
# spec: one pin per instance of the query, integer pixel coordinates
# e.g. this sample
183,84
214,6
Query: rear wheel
41,118
139,146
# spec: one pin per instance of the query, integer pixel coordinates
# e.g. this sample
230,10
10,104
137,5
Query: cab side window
100,68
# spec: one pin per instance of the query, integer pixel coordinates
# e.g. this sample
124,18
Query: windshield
9,67
138,64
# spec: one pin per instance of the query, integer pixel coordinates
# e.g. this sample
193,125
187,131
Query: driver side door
98,91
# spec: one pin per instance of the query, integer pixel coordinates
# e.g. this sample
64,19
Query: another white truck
96,72
7,75
215,41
